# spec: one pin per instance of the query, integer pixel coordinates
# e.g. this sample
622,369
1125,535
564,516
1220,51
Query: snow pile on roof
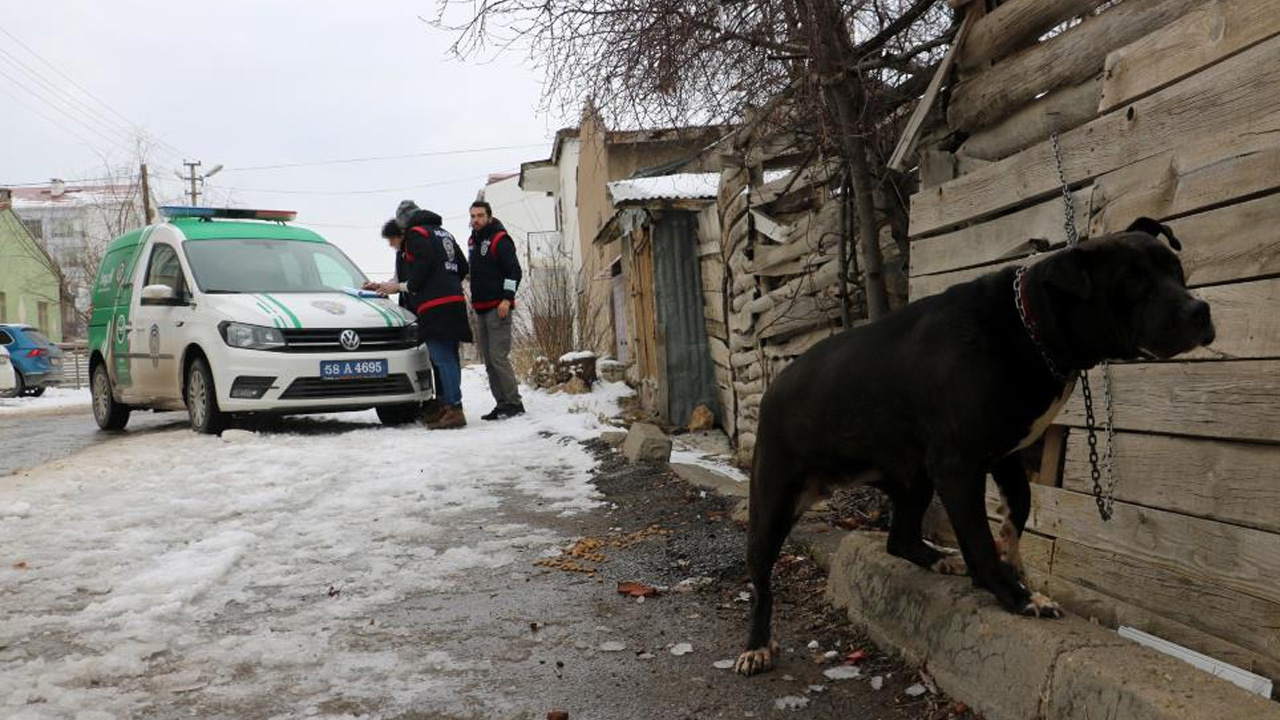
682,186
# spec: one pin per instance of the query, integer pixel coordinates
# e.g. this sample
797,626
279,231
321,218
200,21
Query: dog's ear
1068,271
1155,229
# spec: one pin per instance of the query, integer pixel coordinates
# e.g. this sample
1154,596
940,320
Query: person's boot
432,410
514,409
494,414
452,417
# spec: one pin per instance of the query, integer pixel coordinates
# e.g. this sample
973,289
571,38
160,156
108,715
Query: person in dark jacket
434,267
495,276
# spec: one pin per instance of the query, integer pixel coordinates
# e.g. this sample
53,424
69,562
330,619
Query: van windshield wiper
222,292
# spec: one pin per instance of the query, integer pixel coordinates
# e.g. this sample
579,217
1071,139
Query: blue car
37,362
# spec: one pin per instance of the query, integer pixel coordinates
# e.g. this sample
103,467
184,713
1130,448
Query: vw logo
349,339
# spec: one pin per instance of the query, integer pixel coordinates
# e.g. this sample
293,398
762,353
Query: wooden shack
1169,109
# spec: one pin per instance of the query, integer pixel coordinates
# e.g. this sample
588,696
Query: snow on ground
120,562
53,399
708,449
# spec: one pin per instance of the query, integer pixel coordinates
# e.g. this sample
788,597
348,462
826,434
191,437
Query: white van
226,311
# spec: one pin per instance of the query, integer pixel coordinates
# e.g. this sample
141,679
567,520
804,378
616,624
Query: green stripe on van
386,316
287,311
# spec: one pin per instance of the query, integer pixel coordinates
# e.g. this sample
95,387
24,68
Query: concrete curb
1013,668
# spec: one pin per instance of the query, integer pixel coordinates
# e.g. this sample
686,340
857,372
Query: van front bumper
262,381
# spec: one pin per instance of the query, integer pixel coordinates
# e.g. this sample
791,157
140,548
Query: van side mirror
160,295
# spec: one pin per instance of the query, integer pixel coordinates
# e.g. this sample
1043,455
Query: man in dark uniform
434,267
495,276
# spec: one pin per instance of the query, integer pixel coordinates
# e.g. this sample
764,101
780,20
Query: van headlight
409,334
251,337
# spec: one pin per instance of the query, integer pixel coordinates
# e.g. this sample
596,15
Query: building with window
30,284
74,223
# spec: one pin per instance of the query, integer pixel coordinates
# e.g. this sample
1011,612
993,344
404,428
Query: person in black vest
434,268
495,276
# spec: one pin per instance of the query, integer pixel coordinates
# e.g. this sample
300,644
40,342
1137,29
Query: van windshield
270,266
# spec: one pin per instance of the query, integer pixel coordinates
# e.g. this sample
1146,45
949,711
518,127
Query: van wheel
202,401
109,414
398,414
36,391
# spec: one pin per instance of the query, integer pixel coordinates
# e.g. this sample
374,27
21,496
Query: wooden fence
1170,109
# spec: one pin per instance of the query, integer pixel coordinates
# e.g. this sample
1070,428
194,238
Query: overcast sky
248,83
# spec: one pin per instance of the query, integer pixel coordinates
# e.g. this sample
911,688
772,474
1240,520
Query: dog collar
1029,323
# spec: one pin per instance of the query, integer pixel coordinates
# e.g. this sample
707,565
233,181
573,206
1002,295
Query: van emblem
331,307
153,344
349,339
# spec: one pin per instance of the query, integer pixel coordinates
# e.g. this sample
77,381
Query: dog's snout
1198,315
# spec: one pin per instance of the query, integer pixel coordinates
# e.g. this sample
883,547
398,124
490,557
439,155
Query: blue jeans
444,357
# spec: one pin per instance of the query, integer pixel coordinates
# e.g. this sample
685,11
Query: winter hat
404,210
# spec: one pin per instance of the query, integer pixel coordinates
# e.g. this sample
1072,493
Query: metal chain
1068,204
1105,497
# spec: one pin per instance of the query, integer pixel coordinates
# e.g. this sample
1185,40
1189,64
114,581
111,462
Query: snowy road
268,575
31,439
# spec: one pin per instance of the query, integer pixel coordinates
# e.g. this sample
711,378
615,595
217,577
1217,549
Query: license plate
352,369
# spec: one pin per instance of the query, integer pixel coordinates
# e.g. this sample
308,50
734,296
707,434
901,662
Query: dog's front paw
1041,606
950,564
757,660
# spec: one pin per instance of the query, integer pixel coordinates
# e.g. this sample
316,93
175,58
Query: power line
81,123
57,122
64,96
84,90
436,153
376,191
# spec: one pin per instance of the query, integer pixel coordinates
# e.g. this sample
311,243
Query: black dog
945,390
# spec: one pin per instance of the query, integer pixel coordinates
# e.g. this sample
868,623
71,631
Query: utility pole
196,180
191,175
146,195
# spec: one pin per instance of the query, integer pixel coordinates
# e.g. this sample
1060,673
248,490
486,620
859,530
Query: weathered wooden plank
713,275
911,133
1229,400
1244,313
772,191
1003,238
1203,173
1108,611
713,306
719,352
1084,594
799,344
770,228
926,285
1061,61
936,167
1160,587
1231,100
1231,482
1058,111
734,210
717,329
1014,25
1245,318
770,257
802,313
1215,554
711,248
1204,36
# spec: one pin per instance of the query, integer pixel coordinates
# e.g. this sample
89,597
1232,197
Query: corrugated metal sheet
682,336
